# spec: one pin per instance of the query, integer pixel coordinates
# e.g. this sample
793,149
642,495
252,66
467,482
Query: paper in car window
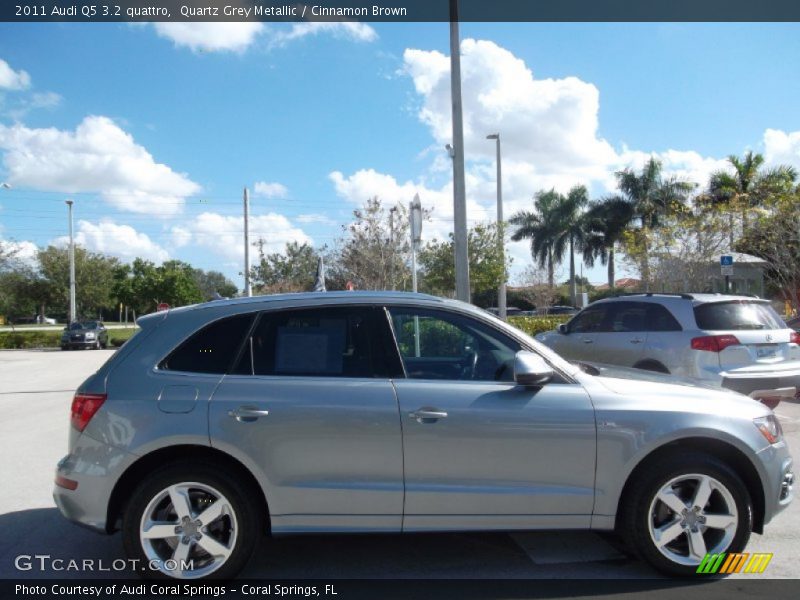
310,350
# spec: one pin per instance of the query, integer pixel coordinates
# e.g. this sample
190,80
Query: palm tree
653,198
748,185
541,228
570,213
607,221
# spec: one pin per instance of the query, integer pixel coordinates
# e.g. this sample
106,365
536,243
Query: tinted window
212,349
739,314
324,342
438,345
628,317
660,319
590,320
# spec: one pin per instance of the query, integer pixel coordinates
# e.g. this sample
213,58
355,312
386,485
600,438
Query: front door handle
247,414
587,341
637,341
427,415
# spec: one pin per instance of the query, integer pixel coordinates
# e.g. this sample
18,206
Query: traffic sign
726,260
727,270
162,307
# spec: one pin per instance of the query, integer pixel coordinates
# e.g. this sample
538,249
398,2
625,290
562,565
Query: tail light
794,338
714,343
84,407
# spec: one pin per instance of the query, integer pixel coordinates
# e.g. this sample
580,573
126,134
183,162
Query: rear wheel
683,508
192,522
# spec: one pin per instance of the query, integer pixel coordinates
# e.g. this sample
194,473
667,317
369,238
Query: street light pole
460,246
501,241
72,308
248,291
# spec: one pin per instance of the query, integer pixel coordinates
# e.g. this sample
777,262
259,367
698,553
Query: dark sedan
85,334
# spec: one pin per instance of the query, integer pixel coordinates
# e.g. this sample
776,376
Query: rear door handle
427,415
247,414
587,341
636,341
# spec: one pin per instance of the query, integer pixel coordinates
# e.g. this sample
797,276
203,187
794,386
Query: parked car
391,412
43,320
84,334
737,342
794,323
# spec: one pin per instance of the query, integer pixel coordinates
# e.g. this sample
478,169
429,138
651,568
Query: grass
16,340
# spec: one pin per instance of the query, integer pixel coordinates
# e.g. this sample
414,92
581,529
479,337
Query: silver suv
736,342
390,412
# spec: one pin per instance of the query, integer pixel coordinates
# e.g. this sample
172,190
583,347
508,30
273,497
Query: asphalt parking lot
35,393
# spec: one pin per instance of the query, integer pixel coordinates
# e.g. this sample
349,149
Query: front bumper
96,467
778,479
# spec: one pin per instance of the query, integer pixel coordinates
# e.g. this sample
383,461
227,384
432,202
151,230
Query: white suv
737,342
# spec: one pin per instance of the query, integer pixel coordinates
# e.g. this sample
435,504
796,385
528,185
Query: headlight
770,428
90,336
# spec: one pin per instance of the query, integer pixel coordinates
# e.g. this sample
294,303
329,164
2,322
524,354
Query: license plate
766,351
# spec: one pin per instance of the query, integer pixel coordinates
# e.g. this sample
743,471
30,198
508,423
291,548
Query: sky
154,130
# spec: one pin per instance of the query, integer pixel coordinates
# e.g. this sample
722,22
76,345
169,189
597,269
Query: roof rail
651,294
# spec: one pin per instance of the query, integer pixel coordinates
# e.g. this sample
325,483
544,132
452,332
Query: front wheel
190,522
684,508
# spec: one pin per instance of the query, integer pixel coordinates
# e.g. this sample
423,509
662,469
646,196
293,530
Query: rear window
211,349
738,314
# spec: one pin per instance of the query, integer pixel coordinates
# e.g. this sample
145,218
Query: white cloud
98,157
122,241
45,100
781,148
223,234
11,79
180,236
271,190
24,252
315,218
211,37
357,32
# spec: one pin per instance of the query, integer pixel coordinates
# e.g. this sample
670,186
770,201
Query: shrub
534,325
20,340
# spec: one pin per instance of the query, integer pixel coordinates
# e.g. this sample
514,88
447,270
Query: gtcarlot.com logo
729,563
45,562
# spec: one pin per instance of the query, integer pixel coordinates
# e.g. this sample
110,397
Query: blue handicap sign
726,260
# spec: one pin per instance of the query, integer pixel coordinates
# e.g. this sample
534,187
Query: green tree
94,277
214,282
293,270
143,285
607,221
573,227
541,227
653,198
748,186
486,268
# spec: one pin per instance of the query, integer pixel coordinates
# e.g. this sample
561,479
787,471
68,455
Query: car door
625,339
480,451
582,334
311,410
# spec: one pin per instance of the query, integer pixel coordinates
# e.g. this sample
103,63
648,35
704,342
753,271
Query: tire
96,345
658,505
236,526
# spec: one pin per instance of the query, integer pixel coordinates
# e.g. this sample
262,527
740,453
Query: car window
628,317
590,320
660,319
440,345
737,314
212,349
320,342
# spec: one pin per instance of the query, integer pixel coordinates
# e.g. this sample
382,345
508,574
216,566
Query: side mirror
563,329
531,369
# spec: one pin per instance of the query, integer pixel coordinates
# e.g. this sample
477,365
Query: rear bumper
96,468
747,383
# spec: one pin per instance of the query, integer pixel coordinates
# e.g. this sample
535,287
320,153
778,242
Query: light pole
501,289
248,290
72,308
460,244
415,213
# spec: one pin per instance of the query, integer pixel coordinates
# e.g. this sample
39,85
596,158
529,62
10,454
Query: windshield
738,314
